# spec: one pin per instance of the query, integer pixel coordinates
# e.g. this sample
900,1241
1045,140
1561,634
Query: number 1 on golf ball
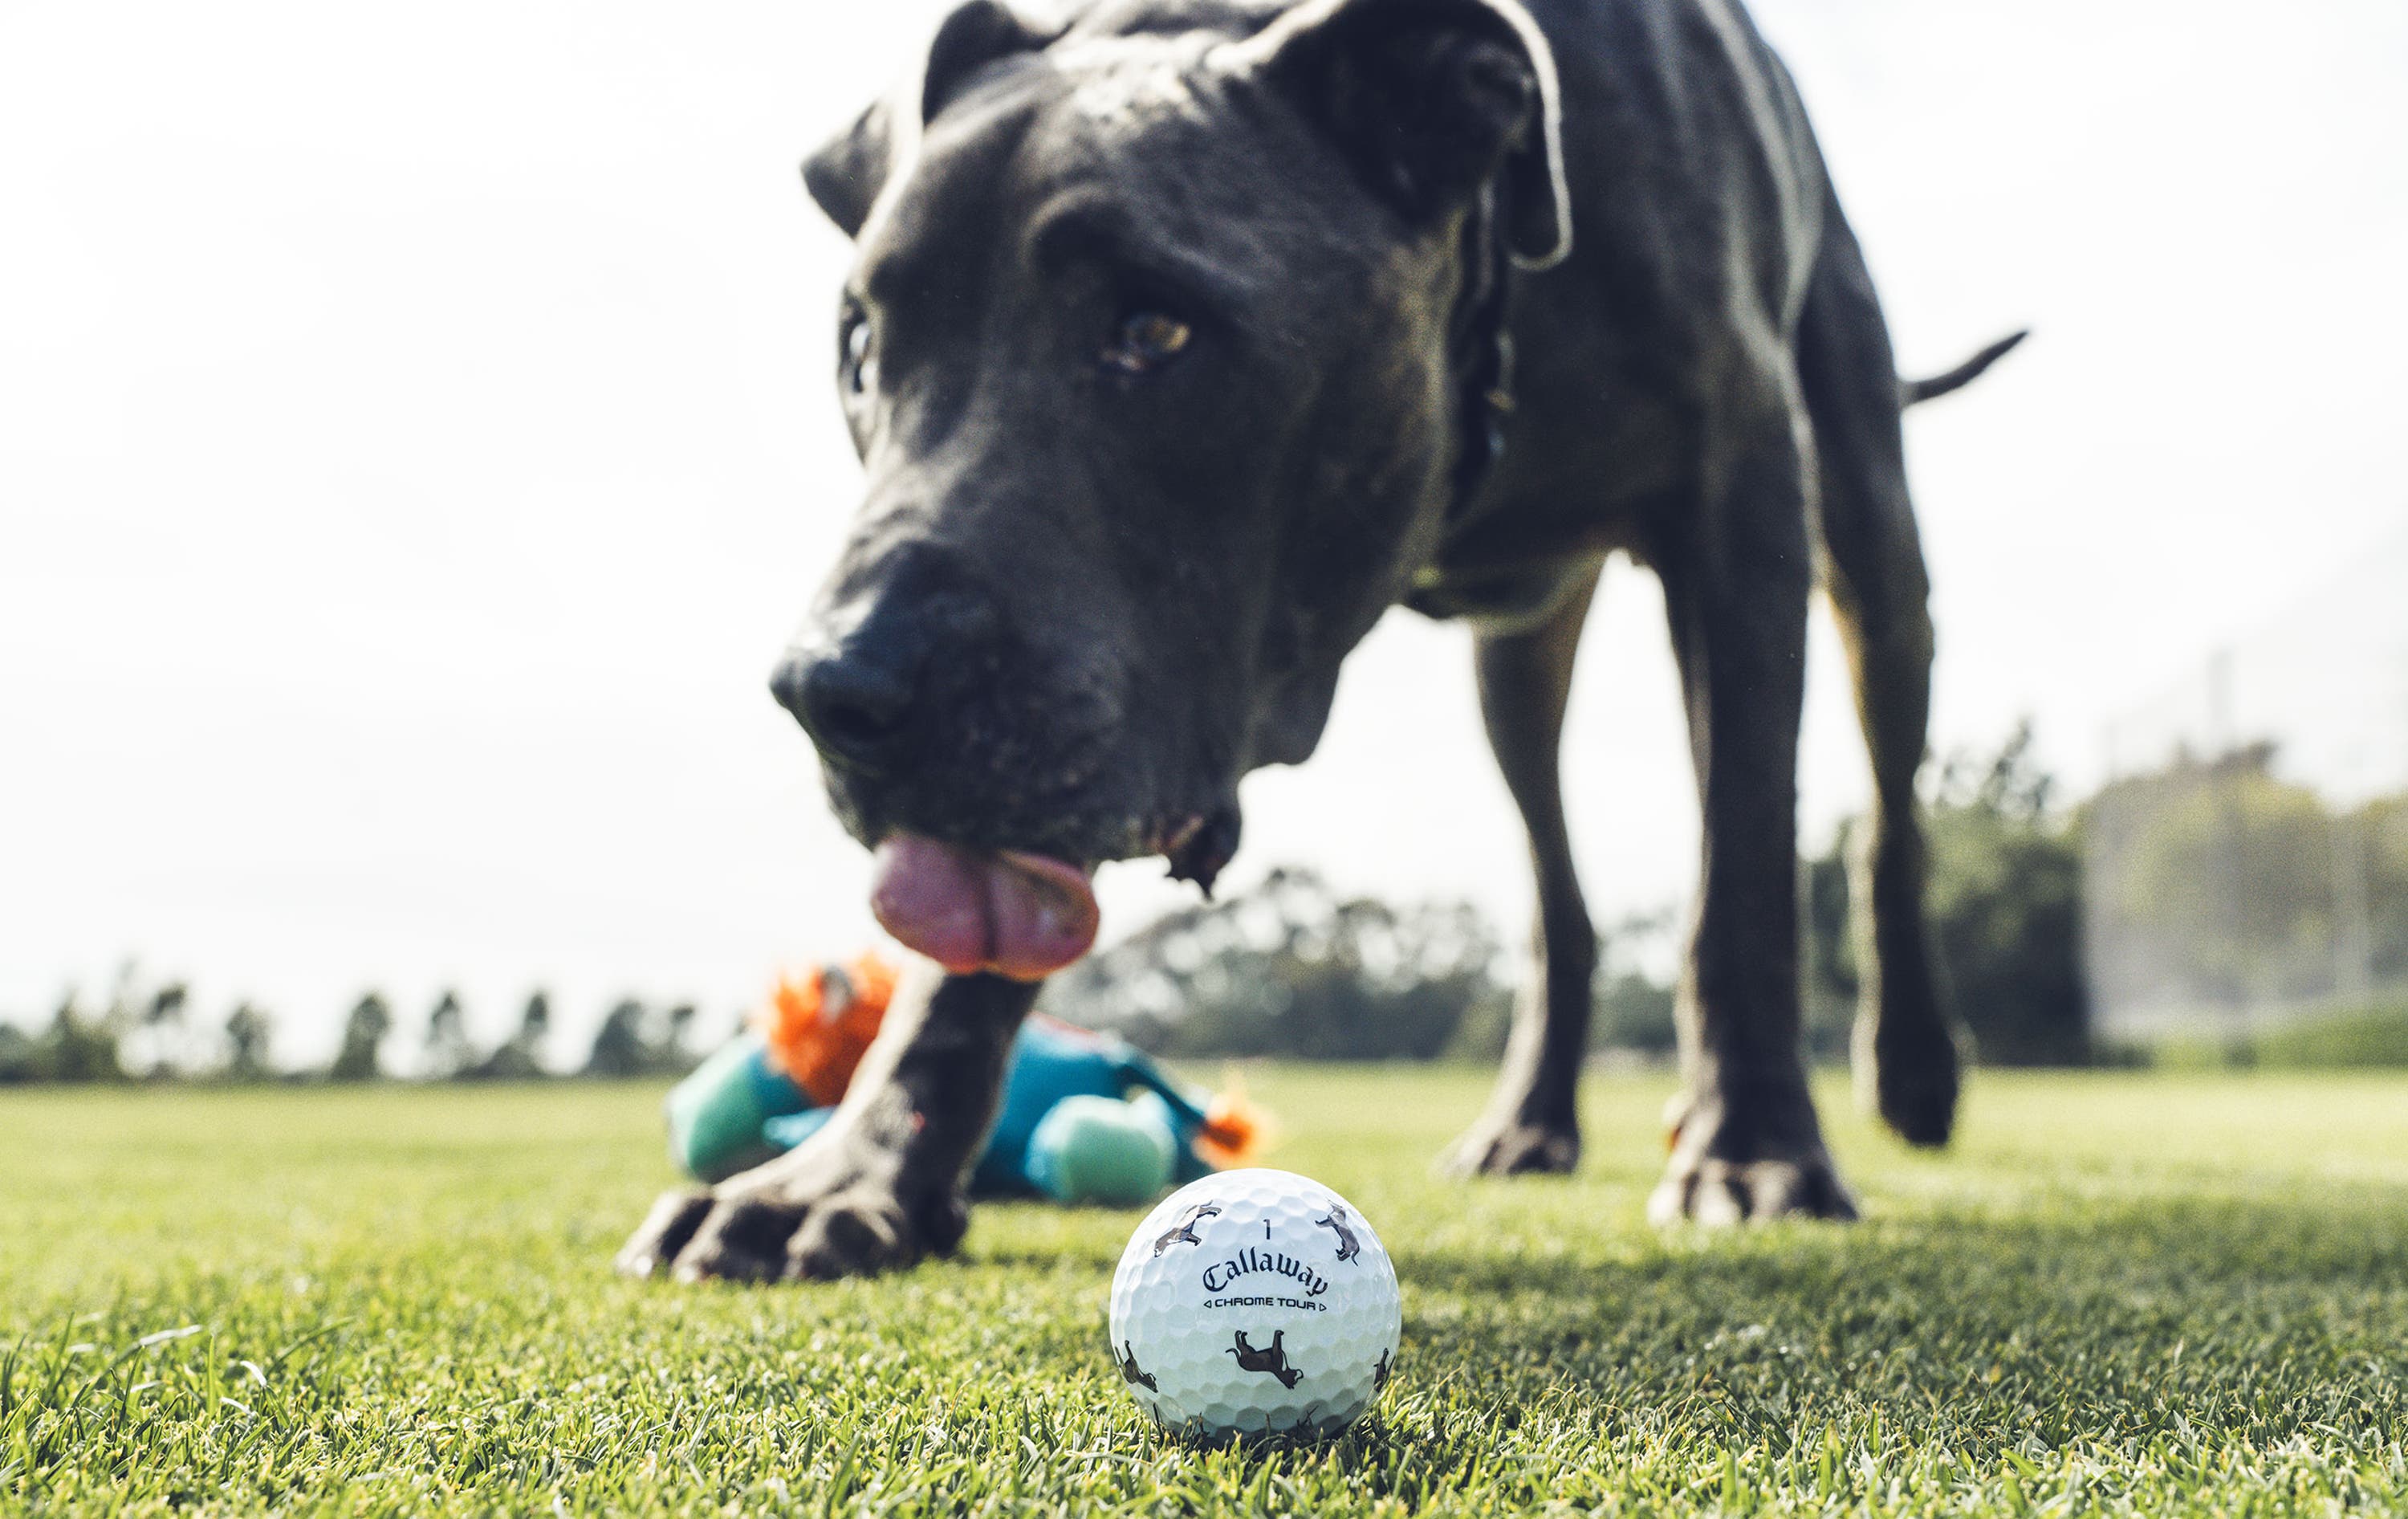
1255,1302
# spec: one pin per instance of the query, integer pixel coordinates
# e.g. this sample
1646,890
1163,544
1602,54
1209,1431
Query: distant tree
364,1036
2006,906
249,1031
2004,894
1291,968
635,1040
162,1016
1634,1014
520,1058
673,1051
623,1045
535,1023
23,1058
1634,1010
448,1053
79,1047
123,1012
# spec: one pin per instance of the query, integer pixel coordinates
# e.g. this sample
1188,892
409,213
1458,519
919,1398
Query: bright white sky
416,443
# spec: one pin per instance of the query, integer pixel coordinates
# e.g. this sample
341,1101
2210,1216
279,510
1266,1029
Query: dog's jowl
1184,337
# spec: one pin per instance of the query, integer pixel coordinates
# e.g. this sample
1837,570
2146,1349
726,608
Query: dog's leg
881,1184
1905,1052
1746,1143
1532,1122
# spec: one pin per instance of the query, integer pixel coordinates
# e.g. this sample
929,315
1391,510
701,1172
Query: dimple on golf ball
1255,1302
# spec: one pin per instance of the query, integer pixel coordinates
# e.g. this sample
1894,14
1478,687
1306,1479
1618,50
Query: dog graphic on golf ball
1271,1359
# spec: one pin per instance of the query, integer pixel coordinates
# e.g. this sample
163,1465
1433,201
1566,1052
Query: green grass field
2120,1294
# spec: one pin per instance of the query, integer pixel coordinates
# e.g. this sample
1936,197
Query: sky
417,442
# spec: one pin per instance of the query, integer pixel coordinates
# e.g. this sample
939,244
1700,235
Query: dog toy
1085,1117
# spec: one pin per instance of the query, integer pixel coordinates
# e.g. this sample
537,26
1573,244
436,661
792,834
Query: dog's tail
1910,392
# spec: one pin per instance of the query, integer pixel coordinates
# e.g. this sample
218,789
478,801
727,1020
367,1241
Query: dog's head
1146,352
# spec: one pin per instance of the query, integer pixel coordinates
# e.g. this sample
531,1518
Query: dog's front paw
868,1229
664,1232
1515,1147
824,1211
1729,1170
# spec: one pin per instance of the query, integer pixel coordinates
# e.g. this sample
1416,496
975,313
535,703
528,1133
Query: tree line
148,1033
1295,968
2212,882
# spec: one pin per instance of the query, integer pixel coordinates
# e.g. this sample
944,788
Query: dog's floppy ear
850,169
977,34
1436,100
847,175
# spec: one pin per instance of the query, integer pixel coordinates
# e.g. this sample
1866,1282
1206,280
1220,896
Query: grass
2121,1293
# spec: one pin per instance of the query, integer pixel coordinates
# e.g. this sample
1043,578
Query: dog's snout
855,703
889,667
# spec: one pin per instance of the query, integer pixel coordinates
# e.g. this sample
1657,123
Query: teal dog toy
1084,1118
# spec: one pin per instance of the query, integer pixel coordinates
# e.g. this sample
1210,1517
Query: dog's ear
1436,100
850,169
846,175
977,34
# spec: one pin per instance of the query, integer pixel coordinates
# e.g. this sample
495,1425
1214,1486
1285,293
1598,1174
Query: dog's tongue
1020,915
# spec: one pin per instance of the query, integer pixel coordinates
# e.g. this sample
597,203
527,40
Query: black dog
1270,1359
1183,1232
1183,339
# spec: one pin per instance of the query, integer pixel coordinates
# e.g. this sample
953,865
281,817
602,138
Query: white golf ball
1255,1302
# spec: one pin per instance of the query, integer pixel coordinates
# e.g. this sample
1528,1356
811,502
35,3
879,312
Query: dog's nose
854,703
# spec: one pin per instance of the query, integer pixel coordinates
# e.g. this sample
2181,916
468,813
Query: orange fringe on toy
818,1040
1235,1129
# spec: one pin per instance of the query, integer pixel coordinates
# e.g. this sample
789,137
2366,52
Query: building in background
2247,861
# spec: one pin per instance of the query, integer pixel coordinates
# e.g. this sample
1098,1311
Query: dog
1184,1231
1134,1374
1270,1359
1183,339
1348,1246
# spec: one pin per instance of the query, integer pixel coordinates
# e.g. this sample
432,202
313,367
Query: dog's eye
1145,341
853,344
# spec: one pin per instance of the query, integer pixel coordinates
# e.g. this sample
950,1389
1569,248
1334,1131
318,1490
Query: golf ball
1255,1302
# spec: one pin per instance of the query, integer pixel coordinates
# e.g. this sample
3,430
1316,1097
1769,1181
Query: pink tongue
1020,915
